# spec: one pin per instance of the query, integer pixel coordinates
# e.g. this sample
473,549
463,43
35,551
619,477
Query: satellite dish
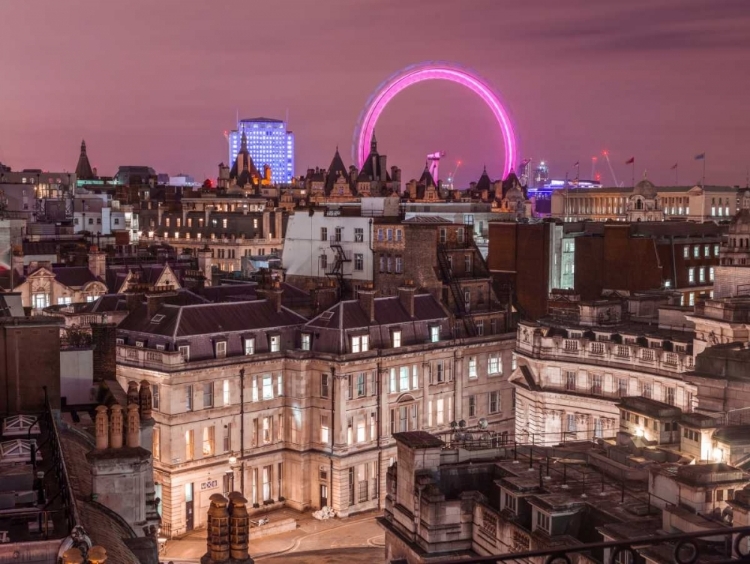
454,424
483,423
462,423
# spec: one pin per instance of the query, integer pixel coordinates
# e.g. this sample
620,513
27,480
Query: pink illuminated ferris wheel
433,70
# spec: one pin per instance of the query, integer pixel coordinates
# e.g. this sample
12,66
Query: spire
243,146
83,168
373,144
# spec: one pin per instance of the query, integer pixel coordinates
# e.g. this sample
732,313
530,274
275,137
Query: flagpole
704,171
676,177
633,173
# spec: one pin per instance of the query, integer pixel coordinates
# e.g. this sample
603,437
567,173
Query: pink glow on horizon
433,71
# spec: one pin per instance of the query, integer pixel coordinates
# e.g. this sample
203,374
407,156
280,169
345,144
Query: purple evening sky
156,82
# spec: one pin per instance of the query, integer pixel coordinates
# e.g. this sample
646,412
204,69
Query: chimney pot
367,302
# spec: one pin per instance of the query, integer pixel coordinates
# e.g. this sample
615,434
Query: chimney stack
218,530
367,301
134,426
145,400
104,337
132,392
273,295
154,302
406,296
115,426
102,427
239,527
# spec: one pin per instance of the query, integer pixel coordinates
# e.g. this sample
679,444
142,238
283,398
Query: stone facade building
251,396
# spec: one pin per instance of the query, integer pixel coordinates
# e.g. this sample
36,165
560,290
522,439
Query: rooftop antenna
287,118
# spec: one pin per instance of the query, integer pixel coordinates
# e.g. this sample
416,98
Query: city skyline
647,80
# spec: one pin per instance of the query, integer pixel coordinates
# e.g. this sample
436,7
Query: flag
577,163
674,167
631,160
700,157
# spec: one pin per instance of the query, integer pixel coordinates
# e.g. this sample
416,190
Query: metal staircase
458,298
336,271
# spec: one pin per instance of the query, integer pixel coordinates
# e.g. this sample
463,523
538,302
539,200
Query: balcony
148,358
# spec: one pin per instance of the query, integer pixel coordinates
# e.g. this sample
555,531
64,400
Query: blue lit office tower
269,143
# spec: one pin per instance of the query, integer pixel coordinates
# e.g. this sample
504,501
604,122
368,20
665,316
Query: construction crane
452,176
606,156
433,160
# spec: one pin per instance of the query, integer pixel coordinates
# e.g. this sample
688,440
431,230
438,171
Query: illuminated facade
433,71
269,143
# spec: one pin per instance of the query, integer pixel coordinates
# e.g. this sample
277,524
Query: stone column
458,385
384,415
239,527
115,426
339,417
102,427
426,376
133,426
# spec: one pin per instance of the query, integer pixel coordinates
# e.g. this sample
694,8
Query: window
155,396
542,521
479,324
706,251
396,338
275,343
509,502
513,361
267,476
338,232
359,261
439,372
189,442
267,387
596,384
255,388
399,265
360,343
324,428
472,406
389,234
414,377
189,398
279,385
494,364
361,384
691,298
571,422
443,235
208,395
267,430
711,273
359,235
691,275
228,437
399,235
669,396
403,378
472,367
702,275
361,430
208,441
716,250
64,301
305,341
439,418
696,251
156,444
686,251
323,261
494,402
221,349
435,333
40,300
249,346
324,385
460,235
184,352
324,234
709,496
719,495
380,234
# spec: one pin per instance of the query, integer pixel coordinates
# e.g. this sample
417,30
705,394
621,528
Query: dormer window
434,333
249,346
542,521
140,344
509,501
221,349
275,343
575,334
396,338
305,341
360,343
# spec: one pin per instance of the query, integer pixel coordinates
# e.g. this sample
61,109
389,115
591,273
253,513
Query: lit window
249,346
435,333
494,364
396,338
306,341
472,367
221,349
275,343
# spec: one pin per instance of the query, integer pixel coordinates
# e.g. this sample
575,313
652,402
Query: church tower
83,168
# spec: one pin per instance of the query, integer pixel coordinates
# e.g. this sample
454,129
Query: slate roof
369,170
388,311
243,168
335,170
74,276
208,319
484,182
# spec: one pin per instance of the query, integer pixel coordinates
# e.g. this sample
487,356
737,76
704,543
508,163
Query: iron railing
685,548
